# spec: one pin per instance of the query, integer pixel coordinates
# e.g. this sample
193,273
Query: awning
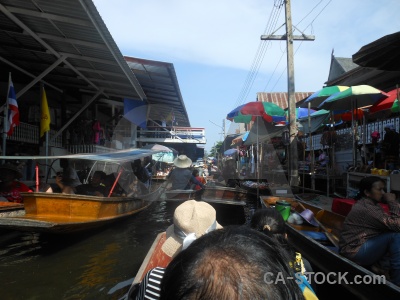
240,139
115,156
383,54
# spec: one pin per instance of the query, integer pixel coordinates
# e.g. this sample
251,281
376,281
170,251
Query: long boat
65,213
211,194
9,209
324,257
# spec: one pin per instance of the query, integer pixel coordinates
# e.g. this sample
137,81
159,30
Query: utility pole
289,37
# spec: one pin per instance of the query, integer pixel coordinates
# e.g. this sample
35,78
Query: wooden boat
155,258
324,256
9,209
211,194
65,213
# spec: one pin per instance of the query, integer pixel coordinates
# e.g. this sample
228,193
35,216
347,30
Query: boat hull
63,213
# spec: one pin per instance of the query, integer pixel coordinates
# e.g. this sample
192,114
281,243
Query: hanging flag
13,113
45,115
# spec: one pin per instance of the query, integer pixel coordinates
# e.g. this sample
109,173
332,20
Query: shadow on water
99,264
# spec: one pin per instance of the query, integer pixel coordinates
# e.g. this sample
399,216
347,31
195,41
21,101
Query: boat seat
343,206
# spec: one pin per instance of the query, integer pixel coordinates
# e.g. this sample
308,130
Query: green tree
215,149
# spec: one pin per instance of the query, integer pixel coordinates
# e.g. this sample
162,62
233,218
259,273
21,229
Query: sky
219,59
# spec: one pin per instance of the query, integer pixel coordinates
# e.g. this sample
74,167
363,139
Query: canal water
93,265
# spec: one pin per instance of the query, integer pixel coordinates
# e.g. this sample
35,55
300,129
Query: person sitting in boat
368,233
10,186
142,173
270,222
181,176
68,179
96,187
192,219
235,262
134,187
196,175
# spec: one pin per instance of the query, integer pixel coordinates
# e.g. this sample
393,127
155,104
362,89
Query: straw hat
192,219
308,216
182,161
11,167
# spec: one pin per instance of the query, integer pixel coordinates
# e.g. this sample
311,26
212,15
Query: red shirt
13,193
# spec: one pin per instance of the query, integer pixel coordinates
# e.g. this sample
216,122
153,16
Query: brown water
94,265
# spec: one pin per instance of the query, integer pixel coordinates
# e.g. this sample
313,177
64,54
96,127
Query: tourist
96,187
192,219
201,179
235,262
10,186
141,172
181,176
368,233
68,179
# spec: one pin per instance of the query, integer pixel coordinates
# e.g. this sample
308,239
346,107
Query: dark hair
366,184
270,222
195,172
235,262
101,173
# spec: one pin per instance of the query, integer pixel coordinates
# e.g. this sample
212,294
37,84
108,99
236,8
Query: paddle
329,235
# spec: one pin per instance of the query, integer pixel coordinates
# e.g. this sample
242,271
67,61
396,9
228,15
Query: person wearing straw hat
181,176
10,186
192,219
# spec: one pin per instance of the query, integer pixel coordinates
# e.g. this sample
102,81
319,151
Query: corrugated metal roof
36,34
160,84
281,99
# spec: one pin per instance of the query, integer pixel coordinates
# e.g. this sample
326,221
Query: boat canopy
115,156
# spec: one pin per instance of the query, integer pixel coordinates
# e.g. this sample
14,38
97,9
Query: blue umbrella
230,152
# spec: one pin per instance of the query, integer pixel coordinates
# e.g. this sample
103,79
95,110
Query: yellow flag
45,115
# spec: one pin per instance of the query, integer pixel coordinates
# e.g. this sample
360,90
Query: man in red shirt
10,187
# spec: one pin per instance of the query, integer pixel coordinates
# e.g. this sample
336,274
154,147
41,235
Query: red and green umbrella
386,103
245,113
319,96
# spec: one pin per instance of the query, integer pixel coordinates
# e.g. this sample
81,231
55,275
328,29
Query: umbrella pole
311,142
258,166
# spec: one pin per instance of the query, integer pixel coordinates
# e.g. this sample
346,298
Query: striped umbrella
245,113
353,97
319,96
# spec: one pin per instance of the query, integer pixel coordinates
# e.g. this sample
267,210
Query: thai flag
13,113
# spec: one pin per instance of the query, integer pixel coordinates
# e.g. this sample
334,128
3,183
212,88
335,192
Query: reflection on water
94,265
